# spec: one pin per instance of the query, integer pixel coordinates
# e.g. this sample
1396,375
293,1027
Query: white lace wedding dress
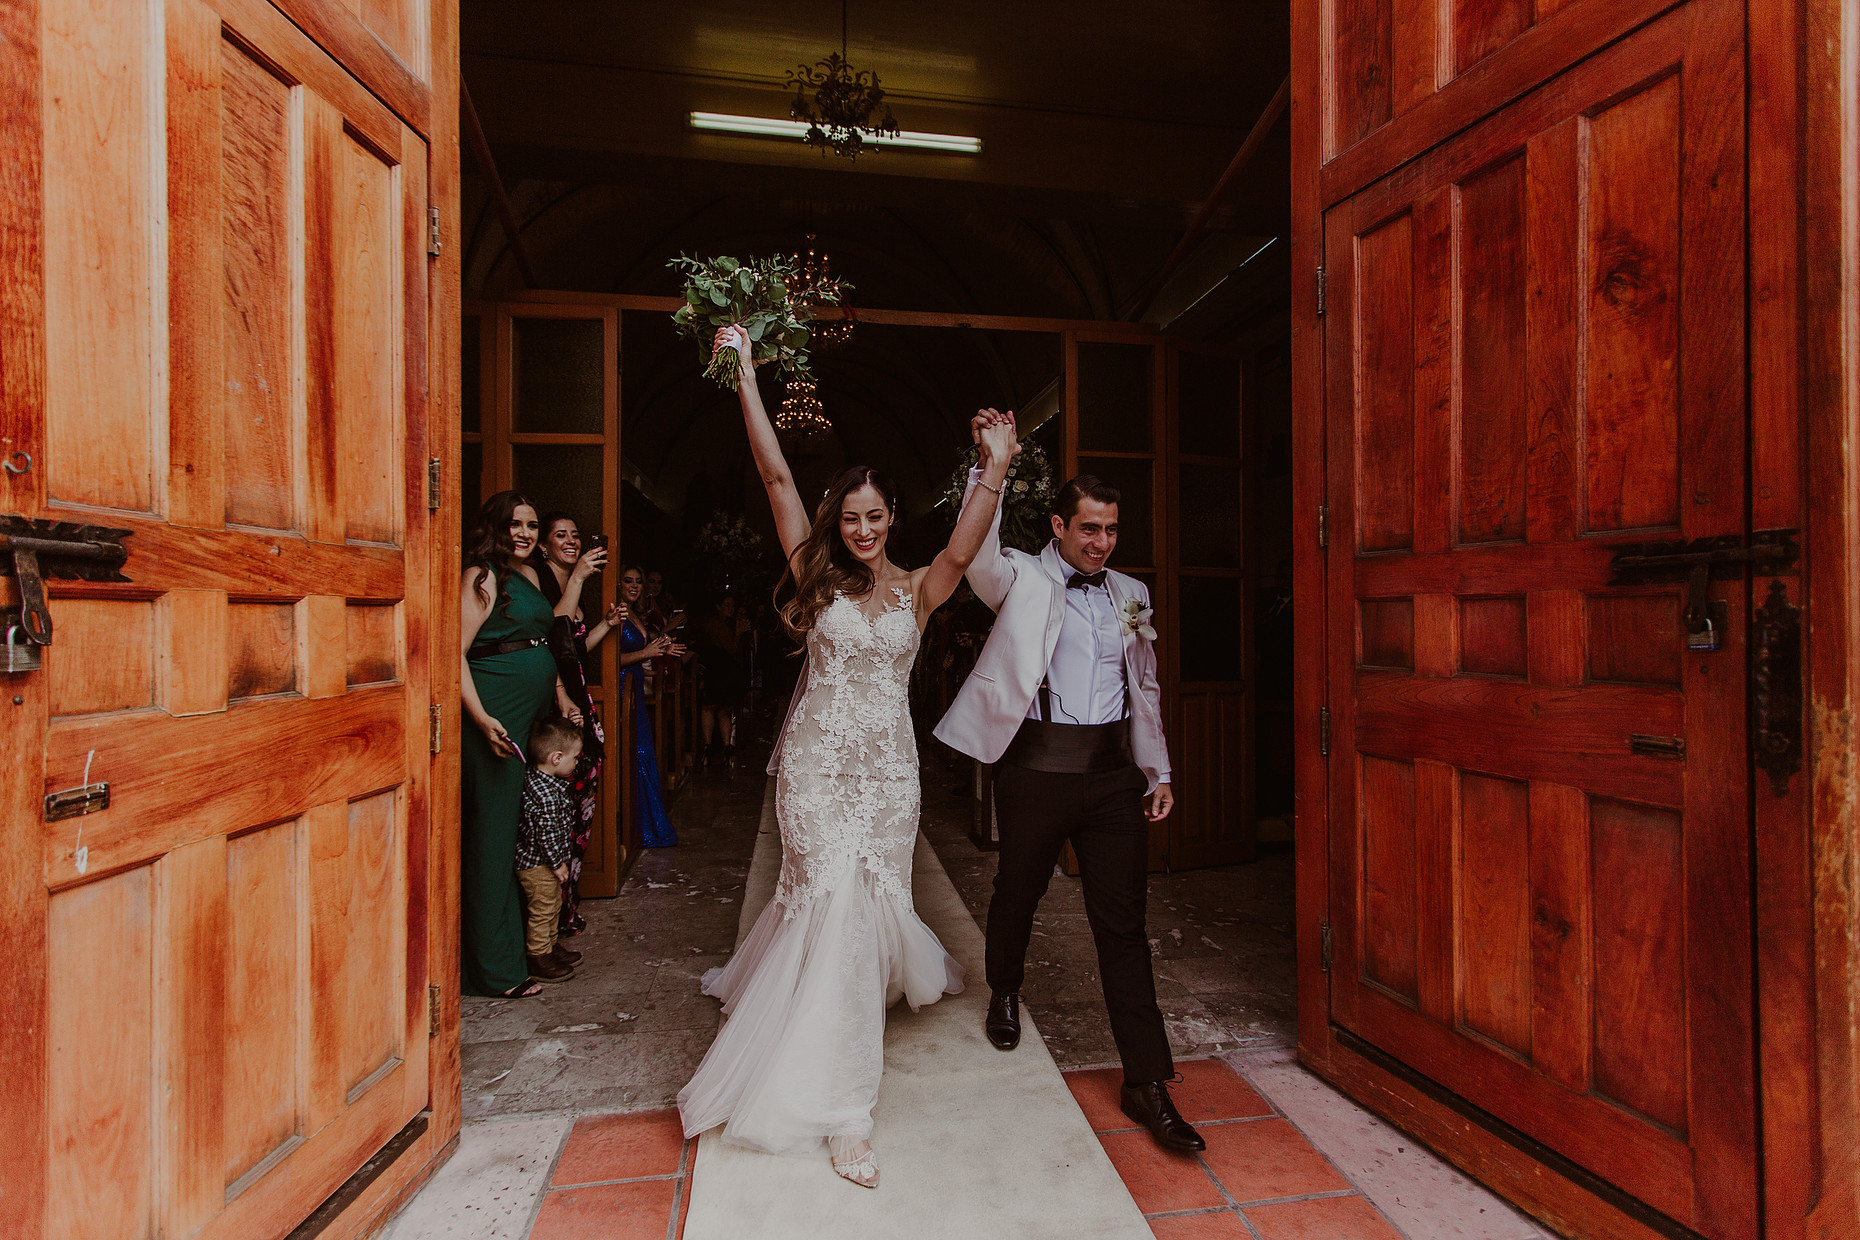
799,1058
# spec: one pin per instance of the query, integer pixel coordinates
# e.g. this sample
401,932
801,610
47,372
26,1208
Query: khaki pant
542,901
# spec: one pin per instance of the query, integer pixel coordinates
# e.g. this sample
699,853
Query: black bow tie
1085,581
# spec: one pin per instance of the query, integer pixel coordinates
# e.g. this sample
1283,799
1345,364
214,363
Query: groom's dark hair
1085,486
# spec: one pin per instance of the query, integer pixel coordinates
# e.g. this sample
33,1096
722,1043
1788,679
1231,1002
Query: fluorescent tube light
770,127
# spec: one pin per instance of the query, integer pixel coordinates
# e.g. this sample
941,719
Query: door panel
236,360
1539,863
1208,629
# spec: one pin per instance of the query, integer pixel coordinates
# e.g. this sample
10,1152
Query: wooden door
1539,797
1114,389
1207,647
235,279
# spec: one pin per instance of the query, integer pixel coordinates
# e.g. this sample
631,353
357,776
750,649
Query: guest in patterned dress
568,568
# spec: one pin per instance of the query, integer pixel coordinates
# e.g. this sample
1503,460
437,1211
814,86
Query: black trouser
1102,814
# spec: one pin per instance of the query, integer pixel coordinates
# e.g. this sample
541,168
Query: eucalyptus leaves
722,291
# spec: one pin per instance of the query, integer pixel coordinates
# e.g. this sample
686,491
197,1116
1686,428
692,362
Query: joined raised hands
996,434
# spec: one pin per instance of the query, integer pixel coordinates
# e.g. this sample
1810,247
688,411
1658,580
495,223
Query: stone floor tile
495,1020
1210,1090
1324,1218
620,1147
486,1065
1157,1179
489,1187
1266,1158
1425,1196
639,1211
1215,1225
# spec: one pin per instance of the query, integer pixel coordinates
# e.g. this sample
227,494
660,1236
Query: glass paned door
1207,632
547,424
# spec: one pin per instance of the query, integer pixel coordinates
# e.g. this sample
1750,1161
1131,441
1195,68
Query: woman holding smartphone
566,568
507,681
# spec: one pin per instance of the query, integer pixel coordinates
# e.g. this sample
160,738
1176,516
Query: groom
1064,700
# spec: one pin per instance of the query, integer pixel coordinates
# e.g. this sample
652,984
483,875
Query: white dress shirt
1086,674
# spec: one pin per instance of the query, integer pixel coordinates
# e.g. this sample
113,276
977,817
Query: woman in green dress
508,681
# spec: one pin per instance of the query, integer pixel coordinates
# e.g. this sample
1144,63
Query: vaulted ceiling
1104,125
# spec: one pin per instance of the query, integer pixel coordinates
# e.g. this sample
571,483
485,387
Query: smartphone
597,540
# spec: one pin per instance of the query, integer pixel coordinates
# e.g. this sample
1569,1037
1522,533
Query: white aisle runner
971,1143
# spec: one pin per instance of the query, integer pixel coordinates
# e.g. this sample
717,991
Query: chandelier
846,104
802,416
815,291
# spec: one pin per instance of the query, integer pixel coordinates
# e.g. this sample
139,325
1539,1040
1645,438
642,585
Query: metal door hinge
433,736
1323,525
434,475
432,232
1324,946
432,1011
1320,292
1324,731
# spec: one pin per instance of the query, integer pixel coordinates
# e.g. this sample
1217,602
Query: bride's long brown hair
823,565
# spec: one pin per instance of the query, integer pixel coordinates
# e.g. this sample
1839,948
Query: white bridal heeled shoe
859,1168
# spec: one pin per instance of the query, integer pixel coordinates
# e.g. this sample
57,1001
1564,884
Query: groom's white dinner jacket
1028,595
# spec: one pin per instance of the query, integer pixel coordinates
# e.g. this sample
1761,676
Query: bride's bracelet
986,487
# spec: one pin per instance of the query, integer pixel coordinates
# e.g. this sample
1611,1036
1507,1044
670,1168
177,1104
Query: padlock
22,653
1705,639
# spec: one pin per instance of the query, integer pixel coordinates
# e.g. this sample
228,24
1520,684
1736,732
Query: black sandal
526,989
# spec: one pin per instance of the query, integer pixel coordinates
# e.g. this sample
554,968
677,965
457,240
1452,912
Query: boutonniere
1136,620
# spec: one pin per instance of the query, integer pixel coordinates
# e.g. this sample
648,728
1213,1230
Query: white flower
1136,619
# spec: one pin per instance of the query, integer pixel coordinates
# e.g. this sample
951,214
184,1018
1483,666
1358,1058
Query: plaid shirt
546,822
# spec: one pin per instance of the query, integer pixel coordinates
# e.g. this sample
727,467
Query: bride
799,1059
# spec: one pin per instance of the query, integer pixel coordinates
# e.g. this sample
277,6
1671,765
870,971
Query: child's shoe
549,968
567,955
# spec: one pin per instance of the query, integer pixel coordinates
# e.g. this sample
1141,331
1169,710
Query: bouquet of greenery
1026,496
722,291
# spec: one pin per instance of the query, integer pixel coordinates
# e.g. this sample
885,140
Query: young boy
544,829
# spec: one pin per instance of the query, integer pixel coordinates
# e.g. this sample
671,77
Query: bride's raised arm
996,434
791,520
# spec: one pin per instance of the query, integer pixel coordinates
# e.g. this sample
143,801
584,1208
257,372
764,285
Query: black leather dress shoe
1148,1104
1003,1024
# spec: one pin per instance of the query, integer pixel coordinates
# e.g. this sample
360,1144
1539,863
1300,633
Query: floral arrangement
1026,496
728,538
722,291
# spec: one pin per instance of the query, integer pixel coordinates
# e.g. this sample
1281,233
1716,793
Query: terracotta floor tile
606,1212
620,1147
1267,1158
1210,1090
1327,1218
1223,1226
1157,1179
684,1204
1095,1089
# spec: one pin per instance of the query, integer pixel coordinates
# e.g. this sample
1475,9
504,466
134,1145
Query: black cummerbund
1070,748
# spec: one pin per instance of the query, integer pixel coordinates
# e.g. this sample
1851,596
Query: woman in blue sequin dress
655,825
